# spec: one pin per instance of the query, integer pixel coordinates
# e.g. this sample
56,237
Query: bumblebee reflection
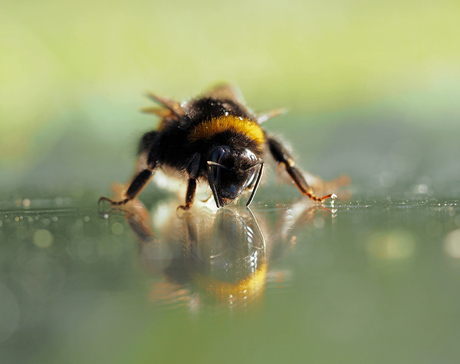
209,256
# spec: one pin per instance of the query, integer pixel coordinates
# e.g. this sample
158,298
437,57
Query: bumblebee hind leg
281,155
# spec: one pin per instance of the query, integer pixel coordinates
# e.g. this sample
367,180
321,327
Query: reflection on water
207,256
134,287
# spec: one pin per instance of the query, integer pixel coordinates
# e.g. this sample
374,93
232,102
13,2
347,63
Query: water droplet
333,199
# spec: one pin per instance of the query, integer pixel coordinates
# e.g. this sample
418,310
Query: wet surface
376,281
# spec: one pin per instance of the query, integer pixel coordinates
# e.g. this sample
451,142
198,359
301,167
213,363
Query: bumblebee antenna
211,163
211,184
258,230
256,185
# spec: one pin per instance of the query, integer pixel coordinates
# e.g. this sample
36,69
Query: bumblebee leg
136,186
281,155
193,170
190,196
146,166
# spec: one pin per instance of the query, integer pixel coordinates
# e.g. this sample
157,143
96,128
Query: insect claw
112,203
332,196
101,209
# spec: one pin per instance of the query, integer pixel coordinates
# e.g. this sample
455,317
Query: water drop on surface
333,199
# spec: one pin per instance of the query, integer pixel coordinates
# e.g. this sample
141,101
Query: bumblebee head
231,171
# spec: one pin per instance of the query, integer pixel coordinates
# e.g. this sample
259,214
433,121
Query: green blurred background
373,89
73,75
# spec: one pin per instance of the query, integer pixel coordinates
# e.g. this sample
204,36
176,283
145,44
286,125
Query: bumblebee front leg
281,155
193,170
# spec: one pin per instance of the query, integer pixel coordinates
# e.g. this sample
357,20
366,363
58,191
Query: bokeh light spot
117,228
393,245
452,244
43,238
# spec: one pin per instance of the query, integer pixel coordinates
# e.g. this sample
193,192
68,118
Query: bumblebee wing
262,118
225,91
172,105
161,112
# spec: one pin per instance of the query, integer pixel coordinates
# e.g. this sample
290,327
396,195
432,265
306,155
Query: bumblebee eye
250,158
214,162
218,153
215,159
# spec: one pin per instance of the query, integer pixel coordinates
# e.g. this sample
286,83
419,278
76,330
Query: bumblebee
213,139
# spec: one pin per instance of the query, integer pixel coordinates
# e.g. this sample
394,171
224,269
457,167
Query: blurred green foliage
88,62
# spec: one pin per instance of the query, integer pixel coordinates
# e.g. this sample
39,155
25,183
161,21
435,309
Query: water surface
368,281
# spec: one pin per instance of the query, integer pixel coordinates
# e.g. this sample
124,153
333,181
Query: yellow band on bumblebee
238,125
